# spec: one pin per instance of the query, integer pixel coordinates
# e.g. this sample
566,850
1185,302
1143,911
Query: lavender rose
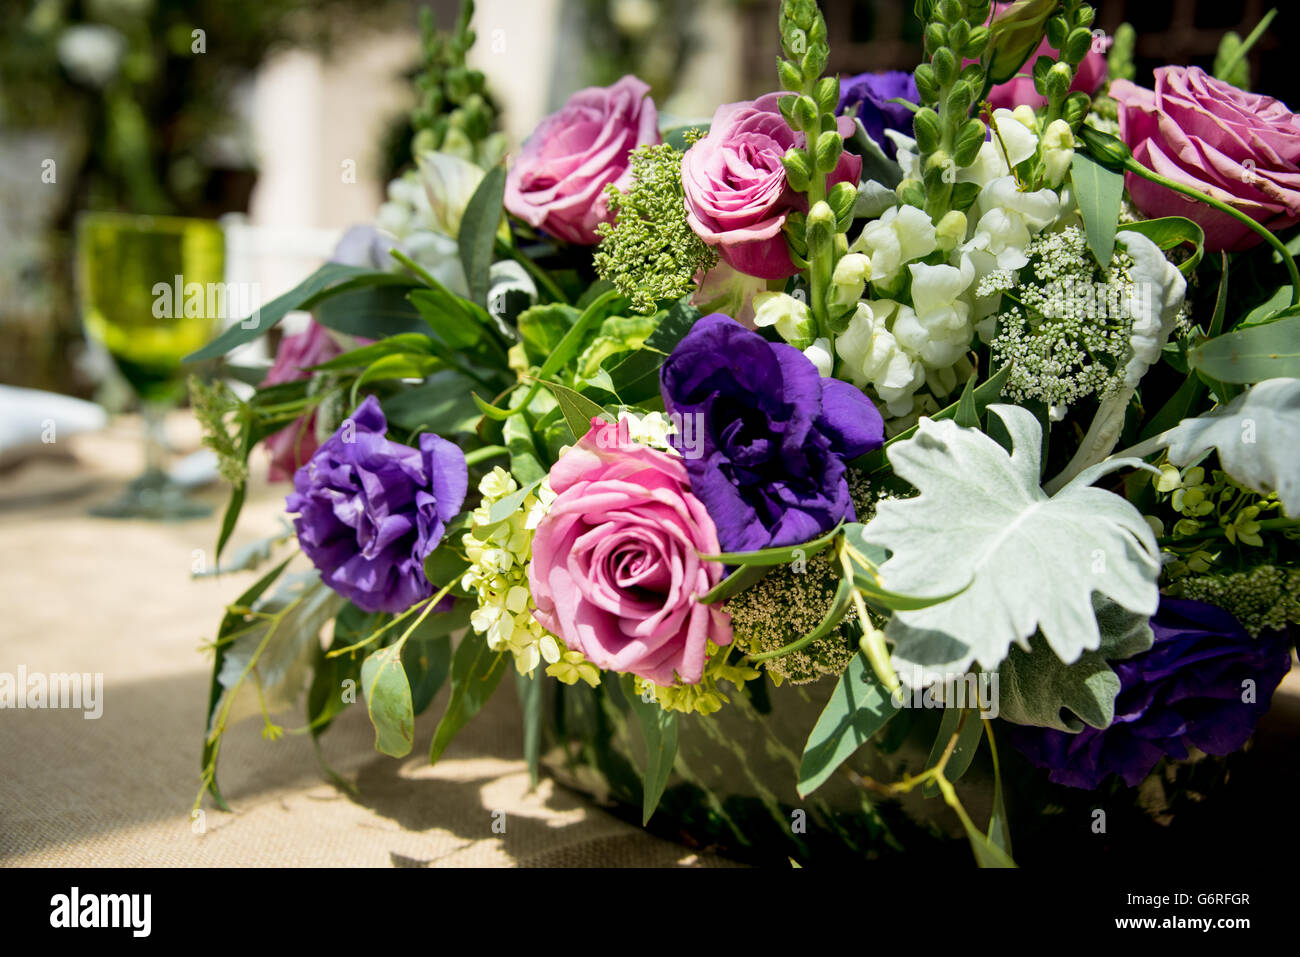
1187,690
775,434
737,197
616,569
867,97
558,182
1240,148
371,510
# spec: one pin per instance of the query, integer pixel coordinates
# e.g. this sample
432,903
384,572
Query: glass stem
155,437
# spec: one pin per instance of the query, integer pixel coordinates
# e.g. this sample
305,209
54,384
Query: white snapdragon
850,278
819,354
938,329
895,239
793,321
870,355
1057,152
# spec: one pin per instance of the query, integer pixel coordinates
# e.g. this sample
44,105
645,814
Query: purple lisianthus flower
371,510
867,97
773,435
1188,689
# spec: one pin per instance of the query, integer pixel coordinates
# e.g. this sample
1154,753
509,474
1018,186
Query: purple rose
371,510
737,197
867,97
1185,691
557,183
774,435
1240,148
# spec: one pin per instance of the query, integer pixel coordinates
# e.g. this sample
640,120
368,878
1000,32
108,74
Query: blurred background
288,117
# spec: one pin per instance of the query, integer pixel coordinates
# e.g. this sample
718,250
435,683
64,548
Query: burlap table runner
92,595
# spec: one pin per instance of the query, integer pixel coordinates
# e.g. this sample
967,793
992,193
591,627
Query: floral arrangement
886,385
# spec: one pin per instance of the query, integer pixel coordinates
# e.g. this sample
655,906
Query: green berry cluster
454,112
948,137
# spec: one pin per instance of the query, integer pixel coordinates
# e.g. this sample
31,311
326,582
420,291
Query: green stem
487,452
1267,525
537,272
1246,44
1137,169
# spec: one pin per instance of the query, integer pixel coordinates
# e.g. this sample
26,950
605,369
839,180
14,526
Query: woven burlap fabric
92,595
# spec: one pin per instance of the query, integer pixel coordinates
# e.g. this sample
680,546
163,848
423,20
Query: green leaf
542,328
1099,192
530,705
448,316
672,329
388,701
231,622
426,655
999,831
478,230
1031,561
1270,350
987,854
1278,303
375,311
967,416
578,410
310,289
444,565
476,671
1170,231
1037,688
1256,436
858,708
411,343
325,697
443,404
780,555
659,730
963,753
399,366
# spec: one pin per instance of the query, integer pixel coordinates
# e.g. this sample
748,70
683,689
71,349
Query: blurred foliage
649,38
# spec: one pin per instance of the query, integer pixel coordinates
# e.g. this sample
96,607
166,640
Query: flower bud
791,318
1057,151
1024,115
1076,107
1077,45
791,78
959,35
1083,16
977,44
969,140
949,11
1107,150
830,145
798,171
814,61
1057,29
945,65
936,36
960,98
1039,73
786,105
805,113
951,230
849,280
911,192
925,125
1058,81
927,84
821,225
827,94
842,197
1015,34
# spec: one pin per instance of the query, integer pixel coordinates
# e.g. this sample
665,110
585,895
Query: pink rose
737,198
558,181
293,445
1087,78
616,568
1240,148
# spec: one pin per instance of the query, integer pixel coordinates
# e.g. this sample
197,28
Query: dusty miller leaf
1032,561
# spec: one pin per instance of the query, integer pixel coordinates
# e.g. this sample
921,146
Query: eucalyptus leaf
1030,562
1037,688
963,752
1257,436
530,704
388,701
478,230
1098,192
1270,350
858,708
476,671
1170,231
659,730
426,656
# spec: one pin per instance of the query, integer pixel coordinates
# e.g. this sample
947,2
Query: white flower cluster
498,575
933,283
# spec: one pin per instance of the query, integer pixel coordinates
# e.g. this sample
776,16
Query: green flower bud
798,170
805,113
926,127
827,94
976,45
959,35
1084,15
814,61
1076,107
969,140
973,74
830,145
977,11
927,84
949,11
786,105
936,36
1039,73
950,230
842,197
1077,45
964,195
945,65
791,78
911,192
1058,82
1107,150
1057,29
1015,34
821,225
960,98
